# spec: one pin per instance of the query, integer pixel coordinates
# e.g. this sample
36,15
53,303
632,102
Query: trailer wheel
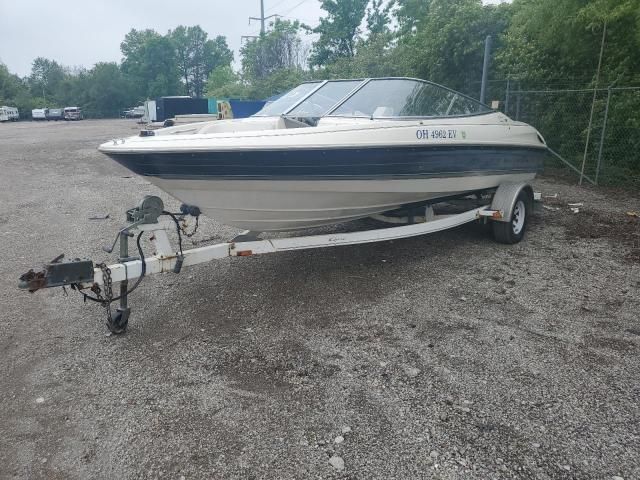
512,231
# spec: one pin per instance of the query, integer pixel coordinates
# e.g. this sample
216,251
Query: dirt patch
620,229
608,343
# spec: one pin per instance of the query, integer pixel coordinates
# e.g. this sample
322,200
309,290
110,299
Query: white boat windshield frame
345,96
484,109
320,84
296,101
330,112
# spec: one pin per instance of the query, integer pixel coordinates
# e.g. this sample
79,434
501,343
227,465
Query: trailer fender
505,199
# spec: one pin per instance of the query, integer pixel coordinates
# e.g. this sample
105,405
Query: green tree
10,85
557,44
14,92
375,58
275,61
150,62
278,81
447,45
374,55
197,56
338,31
410,13
46,78
223,82
549,41
107,91
379,17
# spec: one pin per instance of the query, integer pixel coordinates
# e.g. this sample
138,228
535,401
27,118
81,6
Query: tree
373,49
10,86
14,92
278,81
375,58
410,14
379,17
223,82
549,41
338,31
557,44
150,62
46,77
447,45
107,91
280,48
197,56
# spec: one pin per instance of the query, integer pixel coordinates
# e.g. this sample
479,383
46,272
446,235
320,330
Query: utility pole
593,103
485,67
262,18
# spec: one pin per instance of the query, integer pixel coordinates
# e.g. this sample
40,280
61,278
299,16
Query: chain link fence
595,134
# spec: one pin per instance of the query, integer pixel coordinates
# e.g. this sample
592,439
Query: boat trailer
95,280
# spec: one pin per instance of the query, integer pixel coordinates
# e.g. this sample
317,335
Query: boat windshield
402,97
321,101
286,101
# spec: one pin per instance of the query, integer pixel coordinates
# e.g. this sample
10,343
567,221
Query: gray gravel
447,356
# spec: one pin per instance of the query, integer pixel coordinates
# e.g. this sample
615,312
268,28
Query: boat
334,151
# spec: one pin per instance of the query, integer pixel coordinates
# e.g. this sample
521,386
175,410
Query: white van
39,113
9,114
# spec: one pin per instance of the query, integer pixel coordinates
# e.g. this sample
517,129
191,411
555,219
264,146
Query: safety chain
184,229
108,288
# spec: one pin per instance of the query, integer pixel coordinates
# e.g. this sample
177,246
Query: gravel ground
446,356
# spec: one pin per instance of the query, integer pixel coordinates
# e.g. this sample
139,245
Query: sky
83,32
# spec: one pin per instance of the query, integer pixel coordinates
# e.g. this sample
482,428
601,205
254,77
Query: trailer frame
84,275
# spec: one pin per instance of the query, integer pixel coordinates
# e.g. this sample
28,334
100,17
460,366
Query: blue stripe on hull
337,163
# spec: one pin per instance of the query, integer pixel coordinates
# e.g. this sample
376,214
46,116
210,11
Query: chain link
108,288
184,229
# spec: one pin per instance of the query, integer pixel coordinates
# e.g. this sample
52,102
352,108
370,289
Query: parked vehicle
39,113
55,114
133,112
72,113
9,114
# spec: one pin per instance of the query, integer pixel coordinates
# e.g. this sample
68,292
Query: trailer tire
511,232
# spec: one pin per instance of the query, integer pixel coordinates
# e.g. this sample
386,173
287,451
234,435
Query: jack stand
117,323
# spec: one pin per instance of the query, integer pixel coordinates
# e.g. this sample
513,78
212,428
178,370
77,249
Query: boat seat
383,112
293,123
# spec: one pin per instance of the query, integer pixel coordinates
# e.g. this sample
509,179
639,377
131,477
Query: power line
262,17
300,19
292,9
276,5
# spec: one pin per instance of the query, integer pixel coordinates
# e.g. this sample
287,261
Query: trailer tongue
95,281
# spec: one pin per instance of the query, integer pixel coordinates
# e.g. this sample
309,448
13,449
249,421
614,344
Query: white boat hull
259,174
281,205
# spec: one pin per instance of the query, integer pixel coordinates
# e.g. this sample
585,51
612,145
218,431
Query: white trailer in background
9,114
149,111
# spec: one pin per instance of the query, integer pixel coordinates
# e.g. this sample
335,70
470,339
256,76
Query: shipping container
169,107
